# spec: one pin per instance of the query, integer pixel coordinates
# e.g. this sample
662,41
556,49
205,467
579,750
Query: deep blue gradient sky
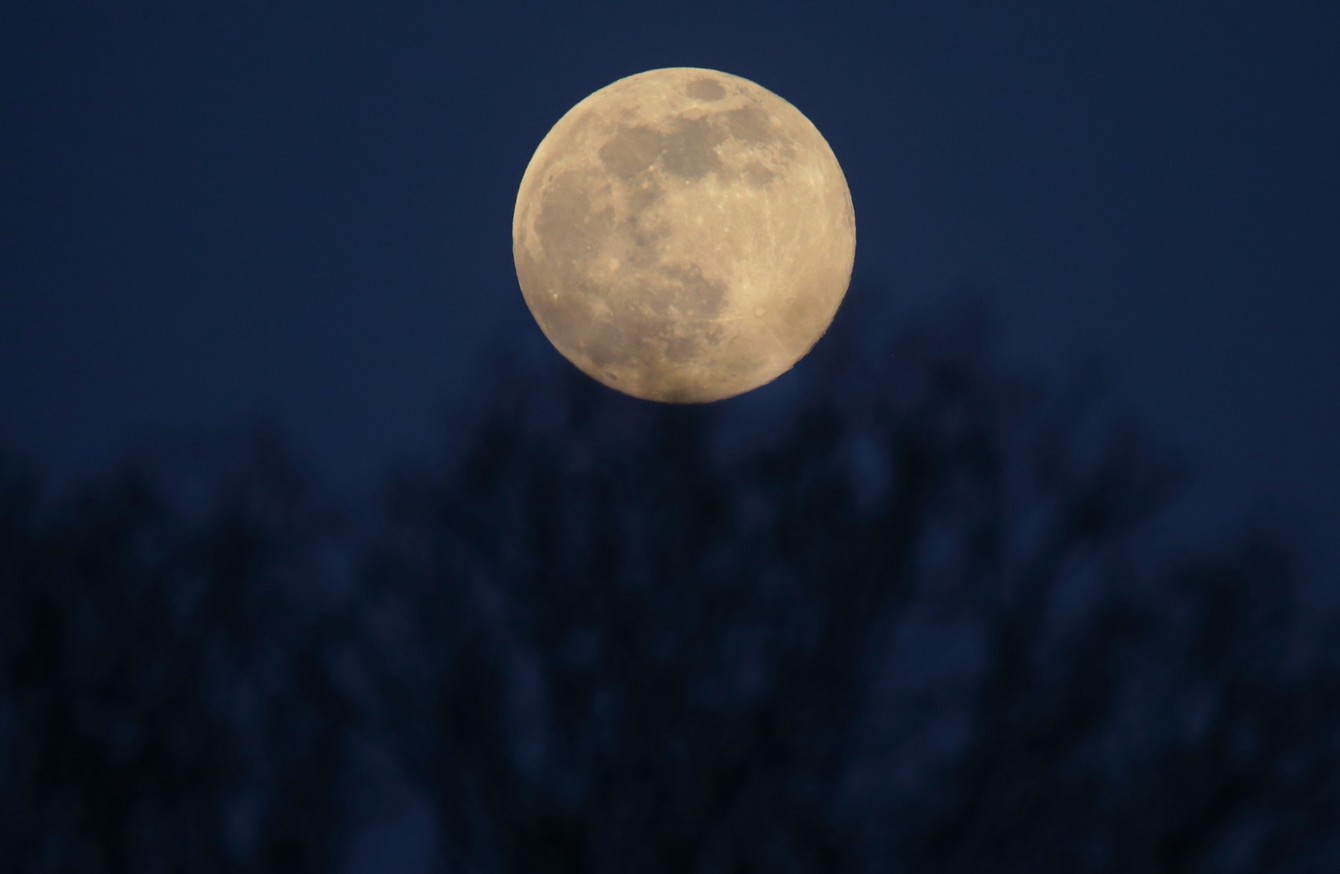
214,213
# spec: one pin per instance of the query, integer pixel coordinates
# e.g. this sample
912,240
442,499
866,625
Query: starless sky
218,212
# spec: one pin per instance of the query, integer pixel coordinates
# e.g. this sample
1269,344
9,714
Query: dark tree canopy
166,705
912,616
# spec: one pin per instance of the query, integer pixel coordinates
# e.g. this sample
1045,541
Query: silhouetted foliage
165,692
912,616
917,628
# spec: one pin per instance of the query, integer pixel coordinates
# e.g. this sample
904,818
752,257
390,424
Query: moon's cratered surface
683,235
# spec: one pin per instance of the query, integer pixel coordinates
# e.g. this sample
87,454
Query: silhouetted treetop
905,610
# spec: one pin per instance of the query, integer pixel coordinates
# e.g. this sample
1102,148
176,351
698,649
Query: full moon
683,235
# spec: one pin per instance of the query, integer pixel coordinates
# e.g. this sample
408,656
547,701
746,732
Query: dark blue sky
214,213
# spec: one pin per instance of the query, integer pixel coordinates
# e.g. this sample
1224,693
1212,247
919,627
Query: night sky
215,214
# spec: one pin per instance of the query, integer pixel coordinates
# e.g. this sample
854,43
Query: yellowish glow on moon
683,235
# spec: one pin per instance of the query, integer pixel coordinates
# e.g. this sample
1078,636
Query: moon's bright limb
683,235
